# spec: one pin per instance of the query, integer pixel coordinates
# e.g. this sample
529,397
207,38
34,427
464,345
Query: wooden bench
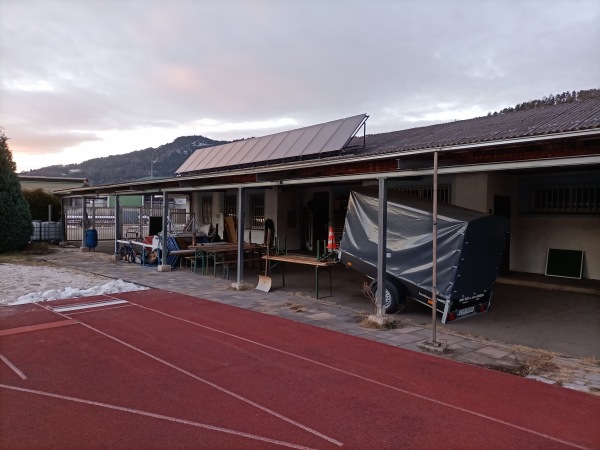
231,262
183,254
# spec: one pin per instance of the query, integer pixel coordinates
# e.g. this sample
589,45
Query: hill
131,166
169,157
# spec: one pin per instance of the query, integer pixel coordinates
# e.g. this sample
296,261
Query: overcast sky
86,78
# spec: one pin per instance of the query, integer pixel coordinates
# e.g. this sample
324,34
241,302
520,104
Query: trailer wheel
394,299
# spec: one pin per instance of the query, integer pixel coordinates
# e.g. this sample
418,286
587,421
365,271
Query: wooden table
319,265
222,254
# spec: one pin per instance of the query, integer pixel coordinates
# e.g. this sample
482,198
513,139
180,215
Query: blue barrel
91,238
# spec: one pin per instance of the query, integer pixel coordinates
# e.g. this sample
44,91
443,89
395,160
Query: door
502,209
320,213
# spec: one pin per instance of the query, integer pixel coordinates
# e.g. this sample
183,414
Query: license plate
462,312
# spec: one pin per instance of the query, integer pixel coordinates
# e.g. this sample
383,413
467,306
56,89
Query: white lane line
360,377
158,416
78,306
13,367
219,388
96,310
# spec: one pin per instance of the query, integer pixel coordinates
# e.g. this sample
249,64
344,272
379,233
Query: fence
135,221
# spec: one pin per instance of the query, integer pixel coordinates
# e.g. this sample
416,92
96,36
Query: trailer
469,252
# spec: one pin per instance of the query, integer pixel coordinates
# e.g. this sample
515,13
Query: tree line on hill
152,162
551,100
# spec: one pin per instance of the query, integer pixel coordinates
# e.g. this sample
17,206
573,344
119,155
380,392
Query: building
539,168
50,184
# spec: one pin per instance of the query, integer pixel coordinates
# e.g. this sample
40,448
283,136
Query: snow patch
111,287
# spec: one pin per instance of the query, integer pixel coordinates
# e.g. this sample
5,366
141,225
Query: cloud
82,71
34,143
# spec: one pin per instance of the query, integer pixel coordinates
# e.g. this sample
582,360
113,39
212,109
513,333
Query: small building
539,168
50,184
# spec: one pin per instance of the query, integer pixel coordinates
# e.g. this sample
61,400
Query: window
565,198
206,210
230,206
426,192
257,210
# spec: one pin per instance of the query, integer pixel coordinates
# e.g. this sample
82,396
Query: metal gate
135,221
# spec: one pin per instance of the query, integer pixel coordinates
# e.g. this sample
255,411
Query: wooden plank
301,260
230,228
182,252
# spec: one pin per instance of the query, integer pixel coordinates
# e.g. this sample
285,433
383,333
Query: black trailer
469,252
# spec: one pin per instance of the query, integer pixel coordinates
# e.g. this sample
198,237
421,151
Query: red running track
156,369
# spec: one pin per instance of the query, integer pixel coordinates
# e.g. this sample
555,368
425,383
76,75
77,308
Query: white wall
470,190
533,235
218,199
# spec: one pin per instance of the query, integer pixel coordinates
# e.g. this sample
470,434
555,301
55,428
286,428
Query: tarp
469,243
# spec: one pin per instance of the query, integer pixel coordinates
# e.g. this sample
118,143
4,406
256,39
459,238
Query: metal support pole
164,267
434,262
63,215
118,229
381,247
83,223
93,213
241,214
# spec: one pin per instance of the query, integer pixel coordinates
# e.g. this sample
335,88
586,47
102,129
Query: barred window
257,210
206,210
565,198
426,192
230,206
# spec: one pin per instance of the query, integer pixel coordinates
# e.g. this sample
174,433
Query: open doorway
502,209
319,212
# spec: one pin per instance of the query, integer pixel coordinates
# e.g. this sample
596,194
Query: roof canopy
291,145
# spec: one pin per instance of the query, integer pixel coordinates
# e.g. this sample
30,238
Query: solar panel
252,153
302,142
269,148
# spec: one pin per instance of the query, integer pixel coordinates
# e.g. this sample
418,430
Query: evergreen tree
38,201
15,217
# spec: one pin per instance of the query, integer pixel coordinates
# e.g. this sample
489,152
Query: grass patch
519,369
538,361
26,255
541,364
390,325
591,361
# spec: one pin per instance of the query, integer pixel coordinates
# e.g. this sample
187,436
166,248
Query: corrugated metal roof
308,142
560,118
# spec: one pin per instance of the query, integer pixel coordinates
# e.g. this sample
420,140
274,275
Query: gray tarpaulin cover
469,243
